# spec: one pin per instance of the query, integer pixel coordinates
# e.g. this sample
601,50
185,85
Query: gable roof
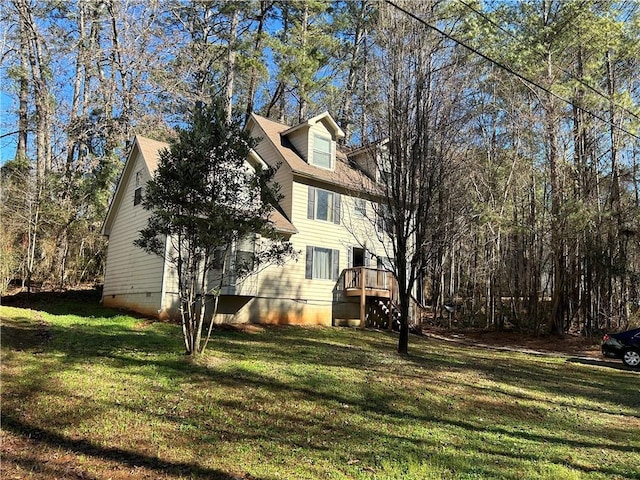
149,150
326,118
345,175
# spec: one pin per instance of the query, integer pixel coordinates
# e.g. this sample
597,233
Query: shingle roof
150,151
281,223
345,175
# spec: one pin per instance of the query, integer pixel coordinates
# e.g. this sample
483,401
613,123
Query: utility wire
542,56
509,69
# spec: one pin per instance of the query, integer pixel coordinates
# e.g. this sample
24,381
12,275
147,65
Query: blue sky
8,99
7,125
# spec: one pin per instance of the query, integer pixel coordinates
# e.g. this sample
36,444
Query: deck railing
372,282
368,282
370,278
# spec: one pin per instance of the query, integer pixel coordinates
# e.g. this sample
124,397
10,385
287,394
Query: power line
509,69
542,56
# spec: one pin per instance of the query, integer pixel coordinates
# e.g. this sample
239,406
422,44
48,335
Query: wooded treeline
525,115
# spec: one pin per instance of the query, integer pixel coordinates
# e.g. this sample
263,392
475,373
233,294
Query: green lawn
103,395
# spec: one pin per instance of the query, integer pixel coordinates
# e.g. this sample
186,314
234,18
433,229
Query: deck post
390,281
363,296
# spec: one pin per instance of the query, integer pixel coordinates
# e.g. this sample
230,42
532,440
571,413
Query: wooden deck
368,292
367,282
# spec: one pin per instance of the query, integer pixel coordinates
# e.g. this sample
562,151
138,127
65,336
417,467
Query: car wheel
631,358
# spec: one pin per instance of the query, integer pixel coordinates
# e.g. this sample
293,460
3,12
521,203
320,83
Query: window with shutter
322,263
323,205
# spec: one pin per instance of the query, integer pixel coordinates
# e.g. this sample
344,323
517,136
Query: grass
90,393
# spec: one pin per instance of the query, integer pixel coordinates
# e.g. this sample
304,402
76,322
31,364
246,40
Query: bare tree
421,96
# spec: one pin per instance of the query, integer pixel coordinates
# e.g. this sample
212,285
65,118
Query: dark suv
624,345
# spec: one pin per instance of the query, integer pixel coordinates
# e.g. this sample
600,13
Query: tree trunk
23,109
557,223
40,90
354,68
253,77
231,65
303,93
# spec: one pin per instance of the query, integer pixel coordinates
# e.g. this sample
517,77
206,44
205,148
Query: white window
322,152
323,205
137,193
322,263
360,206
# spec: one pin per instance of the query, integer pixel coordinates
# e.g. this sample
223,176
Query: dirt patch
20,299
570,345
240,327
25,334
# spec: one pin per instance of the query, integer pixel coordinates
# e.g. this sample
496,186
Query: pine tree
203,199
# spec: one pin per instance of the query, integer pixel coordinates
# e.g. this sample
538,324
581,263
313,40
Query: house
326,212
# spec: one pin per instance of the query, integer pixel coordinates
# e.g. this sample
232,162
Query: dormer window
322,152
315,140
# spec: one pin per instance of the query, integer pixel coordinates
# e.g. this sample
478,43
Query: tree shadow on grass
545,376
619,471
293,428
85,340
131,459
84,303
383,402
24,334
288,346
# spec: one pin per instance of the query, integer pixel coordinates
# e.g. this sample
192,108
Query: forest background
531,110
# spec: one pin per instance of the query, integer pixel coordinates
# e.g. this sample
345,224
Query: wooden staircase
379,286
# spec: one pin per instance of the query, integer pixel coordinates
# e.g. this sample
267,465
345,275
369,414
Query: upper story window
384,167
322,152
137,193
323,205
360,207
384,219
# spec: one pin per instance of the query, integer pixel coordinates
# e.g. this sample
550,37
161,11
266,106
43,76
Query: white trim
332,152
163,284
325,117
119,191
258,161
